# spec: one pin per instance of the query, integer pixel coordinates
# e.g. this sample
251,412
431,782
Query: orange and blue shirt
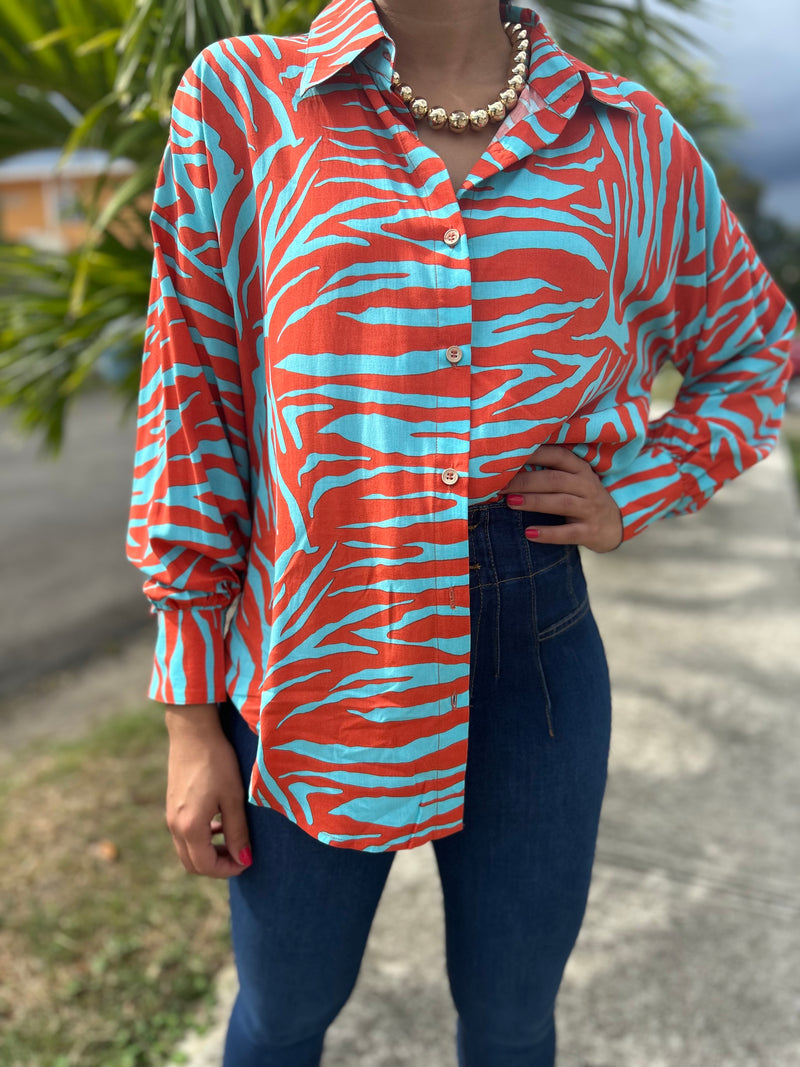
344,353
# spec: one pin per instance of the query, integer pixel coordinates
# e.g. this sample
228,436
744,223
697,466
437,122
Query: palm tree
101,74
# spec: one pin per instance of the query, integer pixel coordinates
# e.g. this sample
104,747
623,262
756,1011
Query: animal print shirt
344,353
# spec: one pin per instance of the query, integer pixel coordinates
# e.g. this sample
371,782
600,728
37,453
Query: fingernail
245,857
532,532
515,499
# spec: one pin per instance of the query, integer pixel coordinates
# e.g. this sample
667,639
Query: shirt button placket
457,387
454,354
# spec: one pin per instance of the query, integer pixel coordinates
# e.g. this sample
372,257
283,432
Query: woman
397,370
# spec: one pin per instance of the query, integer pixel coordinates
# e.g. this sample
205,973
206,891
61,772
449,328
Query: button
454,354
451,237
450,476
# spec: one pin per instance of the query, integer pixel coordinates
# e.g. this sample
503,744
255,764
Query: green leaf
101,42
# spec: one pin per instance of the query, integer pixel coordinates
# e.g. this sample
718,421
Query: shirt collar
337,36
348,29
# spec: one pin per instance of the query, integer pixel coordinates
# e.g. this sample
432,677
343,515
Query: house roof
43,163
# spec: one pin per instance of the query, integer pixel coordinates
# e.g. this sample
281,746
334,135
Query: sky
753,50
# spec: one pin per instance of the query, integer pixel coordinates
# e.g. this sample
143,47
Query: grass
107,947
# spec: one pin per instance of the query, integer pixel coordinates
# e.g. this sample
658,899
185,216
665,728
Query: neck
452,43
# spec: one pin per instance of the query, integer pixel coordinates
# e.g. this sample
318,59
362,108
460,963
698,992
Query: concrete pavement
689,955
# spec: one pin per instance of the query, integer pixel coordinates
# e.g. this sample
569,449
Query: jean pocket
561,598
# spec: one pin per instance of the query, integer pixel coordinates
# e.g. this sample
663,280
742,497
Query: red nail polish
532,532
245,857
515,499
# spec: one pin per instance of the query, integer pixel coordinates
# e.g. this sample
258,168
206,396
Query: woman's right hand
205,796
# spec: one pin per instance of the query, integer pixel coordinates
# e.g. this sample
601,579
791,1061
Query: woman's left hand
568,487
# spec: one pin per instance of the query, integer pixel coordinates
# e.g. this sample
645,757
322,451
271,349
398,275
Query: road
68,591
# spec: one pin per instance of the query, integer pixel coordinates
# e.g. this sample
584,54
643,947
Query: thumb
237,836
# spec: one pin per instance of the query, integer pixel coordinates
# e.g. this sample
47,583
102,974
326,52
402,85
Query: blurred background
90,977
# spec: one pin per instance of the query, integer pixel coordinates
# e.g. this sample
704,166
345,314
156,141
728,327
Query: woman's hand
205,796
568,487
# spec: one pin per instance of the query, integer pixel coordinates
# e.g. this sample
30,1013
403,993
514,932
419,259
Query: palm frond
46,352
578,24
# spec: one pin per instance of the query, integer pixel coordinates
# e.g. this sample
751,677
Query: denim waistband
499,551
530,518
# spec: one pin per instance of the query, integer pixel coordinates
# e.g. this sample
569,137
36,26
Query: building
40,200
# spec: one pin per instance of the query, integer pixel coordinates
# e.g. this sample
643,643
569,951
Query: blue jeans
515,879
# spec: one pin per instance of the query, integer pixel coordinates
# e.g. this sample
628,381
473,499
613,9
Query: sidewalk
688,956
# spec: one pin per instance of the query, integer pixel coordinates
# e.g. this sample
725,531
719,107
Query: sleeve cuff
189,666
648,489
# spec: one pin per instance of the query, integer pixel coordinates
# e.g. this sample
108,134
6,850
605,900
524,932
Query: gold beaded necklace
458,121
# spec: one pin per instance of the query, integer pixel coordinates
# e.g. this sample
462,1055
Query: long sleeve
730,341
189,524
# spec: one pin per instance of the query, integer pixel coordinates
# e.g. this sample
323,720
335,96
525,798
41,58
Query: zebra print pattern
298,411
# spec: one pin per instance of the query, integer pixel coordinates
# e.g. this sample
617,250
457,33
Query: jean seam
570,568
495,583
537,651
566,622
519,577
477,627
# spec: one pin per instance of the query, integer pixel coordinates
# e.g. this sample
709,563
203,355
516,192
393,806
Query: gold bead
437,118
496,110
458,121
